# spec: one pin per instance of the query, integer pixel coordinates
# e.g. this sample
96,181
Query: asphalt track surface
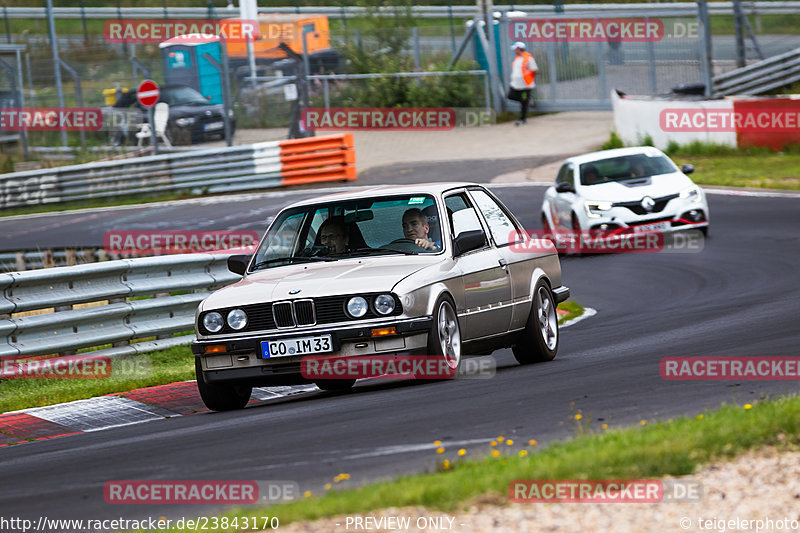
738,297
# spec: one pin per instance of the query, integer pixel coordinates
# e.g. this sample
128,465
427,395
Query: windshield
625,168
182,96
407,225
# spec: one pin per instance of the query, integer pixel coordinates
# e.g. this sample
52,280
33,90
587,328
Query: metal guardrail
35,259
261,165
759,78
120,316
673,9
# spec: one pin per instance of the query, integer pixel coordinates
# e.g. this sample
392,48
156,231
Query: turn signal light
215,348
382,332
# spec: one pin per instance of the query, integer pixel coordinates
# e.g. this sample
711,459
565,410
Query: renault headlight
595,209
692,193
186,121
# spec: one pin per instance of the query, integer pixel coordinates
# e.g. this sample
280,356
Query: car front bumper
241,358
678,214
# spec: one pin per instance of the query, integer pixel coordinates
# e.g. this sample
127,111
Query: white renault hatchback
626,189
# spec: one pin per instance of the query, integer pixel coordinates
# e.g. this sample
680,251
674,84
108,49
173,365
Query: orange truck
274,29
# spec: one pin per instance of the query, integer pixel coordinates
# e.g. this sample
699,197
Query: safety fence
117,303
347,11
759,78
256,166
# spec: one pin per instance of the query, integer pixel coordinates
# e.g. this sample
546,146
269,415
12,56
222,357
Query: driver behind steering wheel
416,228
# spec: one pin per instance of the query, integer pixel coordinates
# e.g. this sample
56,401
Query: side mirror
687,169
563,186
468,241
238,264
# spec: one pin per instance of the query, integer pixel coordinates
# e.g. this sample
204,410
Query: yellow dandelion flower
500,439
307,494
493,443
437,443
327,486
748,406
510,442
643,422
446,464
495,453
523,453
605,426
578,416
439,450
700,416
462,451
532,442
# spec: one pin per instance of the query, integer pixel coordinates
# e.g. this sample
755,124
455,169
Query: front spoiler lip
252,343
561,294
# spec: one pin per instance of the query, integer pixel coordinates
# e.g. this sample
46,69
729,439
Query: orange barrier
317,159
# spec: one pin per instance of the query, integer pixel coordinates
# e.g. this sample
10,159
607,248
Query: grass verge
573,309
168,366
676,447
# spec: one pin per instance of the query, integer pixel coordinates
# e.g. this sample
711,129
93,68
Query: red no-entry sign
147,94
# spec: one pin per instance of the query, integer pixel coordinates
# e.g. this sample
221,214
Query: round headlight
357,307
213,322
237,319
384,304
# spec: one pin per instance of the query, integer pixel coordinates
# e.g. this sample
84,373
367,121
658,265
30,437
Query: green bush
613,142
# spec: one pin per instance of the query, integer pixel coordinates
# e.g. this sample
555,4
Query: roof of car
388,190
605,154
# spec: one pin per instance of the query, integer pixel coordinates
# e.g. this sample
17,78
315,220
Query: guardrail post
20,259
70,257
88,256
47,259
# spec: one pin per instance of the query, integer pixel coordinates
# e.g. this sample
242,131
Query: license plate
658,226
296,346
213,126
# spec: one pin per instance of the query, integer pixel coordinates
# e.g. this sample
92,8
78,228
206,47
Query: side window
562,173
462,215
571,175
503,230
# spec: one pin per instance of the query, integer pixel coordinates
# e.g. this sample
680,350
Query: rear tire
218,396
539,342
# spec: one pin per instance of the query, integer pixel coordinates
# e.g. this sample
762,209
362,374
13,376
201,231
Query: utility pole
741,60
705,48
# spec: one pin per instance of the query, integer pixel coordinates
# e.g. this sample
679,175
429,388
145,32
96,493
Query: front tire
218,396
444,339
539,342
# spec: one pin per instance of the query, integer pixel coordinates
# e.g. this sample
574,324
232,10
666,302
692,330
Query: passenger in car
590,175
416,228
333,234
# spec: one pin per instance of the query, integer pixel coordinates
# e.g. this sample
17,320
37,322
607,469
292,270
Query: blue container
480,55
185,63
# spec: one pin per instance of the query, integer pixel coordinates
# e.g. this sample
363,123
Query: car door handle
503,263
